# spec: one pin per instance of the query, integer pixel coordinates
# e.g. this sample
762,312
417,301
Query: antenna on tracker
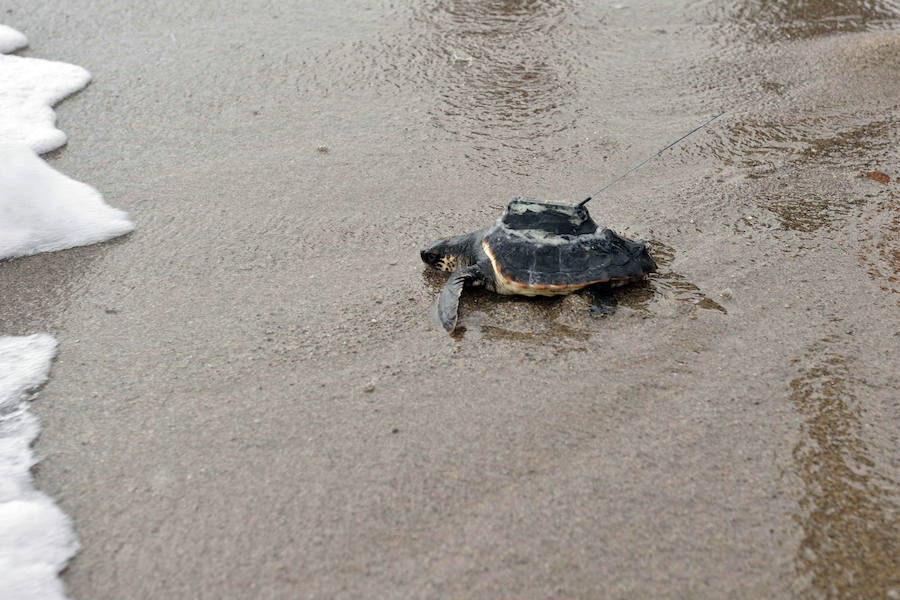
648,159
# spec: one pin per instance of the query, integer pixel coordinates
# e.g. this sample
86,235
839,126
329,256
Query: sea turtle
538,249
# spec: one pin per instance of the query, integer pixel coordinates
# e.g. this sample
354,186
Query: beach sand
252,398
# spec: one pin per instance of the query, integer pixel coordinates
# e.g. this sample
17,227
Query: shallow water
254,397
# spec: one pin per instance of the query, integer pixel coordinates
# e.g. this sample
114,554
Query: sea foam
11,40
42,210
29,87
36,538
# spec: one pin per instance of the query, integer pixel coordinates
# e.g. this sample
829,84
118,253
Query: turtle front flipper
448,302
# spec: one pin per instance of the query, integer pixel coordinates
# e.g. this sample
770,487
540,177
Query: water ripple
766,20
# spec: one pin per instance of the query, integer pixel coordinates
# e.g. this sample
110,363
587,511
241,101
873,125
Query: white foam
43,210
29,87
11,40
36,538
40,210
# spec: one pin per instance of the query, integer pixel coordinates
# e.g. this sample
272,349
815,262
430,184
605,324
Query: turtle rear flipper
448,302
603,301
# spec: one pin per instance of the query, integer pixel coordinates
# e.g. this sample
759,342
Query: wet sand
252,398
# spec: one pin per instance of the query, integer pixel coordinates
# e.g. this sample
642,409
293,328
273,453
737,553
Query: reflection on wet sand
804,206
883,253
800,111
784,19
671,286
809,213
494,18
850,523
505,85
763,147
665,284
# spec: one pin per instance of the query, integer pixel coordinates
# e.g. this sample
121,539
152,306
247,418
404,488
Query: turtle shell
543,248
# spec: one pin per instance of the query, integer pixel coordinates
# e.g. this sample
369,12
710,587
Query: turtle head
448,255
